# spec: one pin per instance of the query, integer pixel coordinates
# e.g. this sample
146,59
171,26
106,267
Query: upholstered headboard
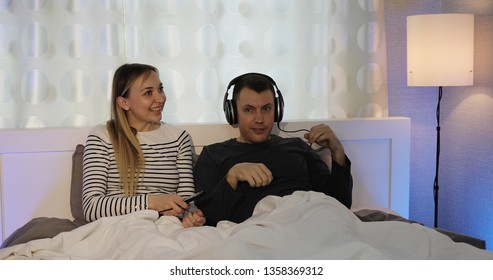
39,166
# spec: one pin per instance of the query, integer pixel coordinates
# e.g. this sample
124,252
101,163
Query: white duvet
305,225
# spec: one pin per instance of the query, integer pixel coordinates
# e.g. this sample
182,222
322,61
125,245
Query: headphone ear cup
229,112
279,108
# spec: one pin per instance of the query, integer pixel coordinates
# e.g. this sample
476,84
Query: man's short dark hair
254,82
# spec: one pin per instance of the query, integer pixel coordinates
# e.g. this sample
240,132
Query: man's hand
255,174
325,137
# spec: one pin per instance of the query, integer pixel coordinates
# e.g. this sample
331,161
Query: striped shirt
168,169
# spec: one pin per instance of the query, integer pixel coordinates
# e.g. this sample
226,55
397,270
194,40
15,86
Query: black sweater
293,165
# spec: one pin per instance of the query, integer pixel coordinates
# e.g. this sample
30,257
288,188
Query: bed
40,187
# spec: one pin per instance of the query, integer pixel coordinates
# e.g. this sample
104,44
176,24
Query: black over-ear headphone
229,105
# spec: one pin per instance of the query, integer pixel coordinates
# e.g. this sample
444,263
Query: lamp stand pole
435,184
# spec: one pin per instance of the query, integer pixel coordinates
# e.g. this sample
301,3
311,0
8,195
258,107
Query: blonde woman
135,161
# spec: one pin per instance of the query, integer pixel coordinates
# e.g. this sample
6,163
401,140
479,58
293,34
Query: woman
135,161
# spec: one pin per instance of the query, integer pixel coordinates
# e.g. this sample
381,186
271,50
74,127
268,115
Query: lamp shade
440,50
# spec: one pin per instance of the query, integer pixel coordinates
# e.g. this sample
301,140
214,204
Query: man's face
255,115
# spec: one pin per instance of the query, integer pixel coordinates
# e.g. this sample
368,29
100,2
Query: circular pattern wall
57,58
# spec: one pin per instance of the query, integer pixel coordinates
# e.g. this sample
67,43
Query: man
238,173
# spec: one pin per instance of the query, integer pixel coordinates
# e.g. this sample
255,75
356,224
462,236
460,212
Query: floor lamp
440,52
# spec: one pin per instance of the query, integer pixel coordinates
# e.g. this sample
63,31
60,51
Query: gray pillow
38,228
76,184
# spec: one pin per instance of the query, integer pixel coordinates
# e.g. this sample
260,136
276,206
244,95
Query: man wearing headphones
238,173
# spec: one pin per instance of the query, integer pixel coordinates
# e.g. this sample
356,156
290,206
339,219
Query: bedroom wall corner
1,201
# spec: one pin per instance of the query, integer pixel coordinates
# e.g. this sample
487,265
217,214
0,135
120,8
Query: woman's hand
194,218
167,204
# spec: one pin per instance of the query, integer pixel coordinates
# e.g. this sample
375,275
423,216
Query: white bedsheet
305,225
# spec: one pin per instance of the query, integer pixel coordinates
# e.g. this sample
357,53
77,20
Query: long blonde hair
128,154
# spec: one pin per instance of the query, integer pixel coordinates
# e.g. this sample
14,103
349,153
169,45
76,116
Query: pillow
372,215
38,228
76,184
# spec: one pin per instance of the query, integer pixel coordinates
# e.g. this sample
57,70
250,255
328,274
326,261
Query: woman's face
144,103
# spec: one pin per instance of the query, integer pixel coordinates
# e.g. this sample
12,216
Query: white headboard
35,165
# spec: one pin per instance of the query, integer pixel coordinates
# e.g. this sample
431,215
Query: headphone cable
292,131
295,131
